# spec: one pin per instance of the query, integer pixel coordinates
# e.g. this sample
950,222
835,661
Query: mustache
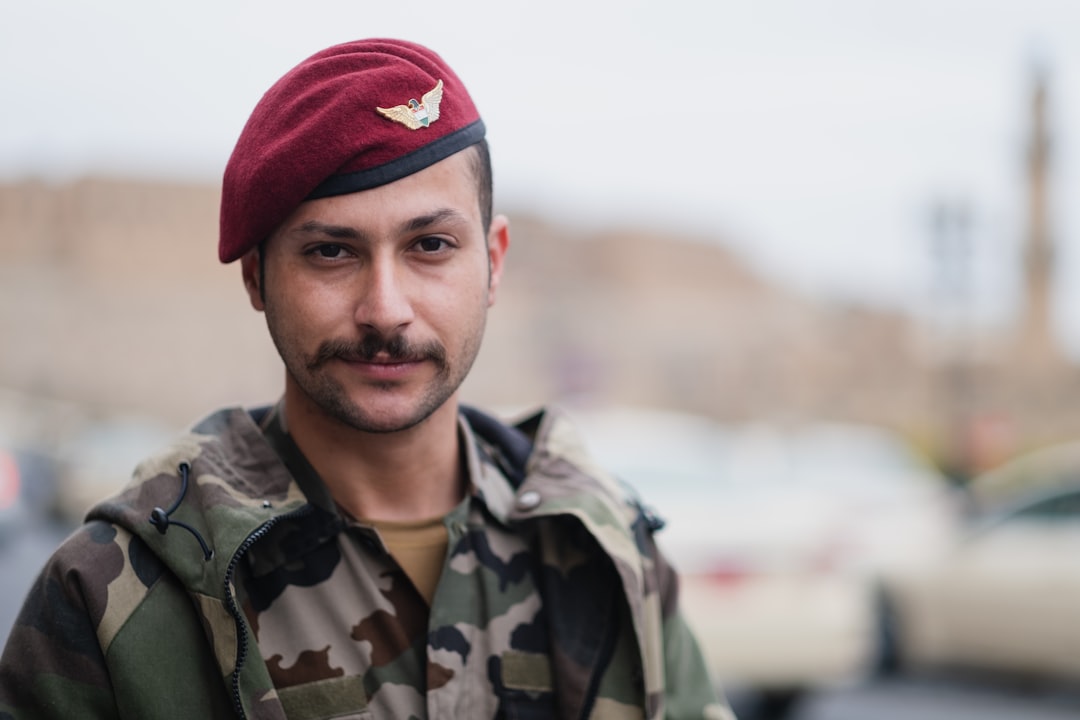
396,348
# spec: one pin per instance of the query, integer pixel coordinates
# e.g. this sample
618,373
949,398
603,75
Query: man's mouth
384,369
385,359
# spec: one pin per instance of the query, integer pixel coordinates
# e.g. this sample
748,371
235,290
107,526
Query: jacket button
528,500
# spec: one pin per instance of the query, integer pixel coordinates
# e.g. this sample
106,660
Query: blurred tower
1037,347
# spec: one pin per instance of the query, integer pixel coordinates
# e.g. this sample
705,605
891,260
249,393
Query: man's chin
386,406
375,416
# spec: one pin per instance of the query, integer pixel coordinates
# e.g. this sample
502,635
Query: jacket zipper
234,610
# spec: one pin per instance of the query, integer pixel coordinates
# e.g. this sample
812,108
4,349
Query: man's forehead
445,194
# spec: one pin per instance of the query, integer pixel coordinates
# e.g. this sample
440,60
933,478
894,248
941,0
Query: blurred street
934,699
930,698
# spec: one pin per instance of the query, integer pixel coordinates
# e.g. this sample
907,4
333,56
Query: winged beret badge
416,115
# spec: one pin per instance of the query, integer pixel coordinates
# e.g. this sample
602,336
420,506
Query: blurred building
111,300
111,297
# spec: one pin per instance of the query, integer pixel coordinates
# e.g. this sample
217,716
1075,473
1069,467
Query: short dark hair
481,167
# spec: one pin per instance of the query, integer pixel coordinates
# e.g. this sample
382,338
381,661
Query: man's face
377,300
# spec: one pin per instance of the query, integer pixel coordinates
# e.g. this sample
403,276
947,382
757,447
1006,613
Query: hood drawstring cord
160,518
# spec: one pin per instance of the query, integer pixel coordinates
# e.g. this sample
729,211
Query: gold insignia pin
415,115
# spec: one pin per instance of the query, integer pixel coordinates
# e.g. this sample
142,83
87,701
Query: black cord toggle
160,518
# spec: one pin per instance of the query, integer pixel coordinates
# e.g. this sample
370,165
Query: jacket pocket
526,691
341,698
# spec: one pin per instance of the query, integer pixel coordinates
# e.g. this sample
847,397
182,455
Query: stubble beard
311,373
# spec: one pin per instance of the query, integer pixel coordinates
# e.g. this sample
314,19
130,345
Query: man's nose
384,304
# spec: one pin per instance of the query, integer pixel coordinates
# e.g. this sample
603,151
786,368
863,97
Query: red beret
352,117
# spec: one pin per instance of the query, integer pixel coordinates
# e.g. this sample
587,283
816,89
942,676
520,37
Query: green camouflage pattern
557,607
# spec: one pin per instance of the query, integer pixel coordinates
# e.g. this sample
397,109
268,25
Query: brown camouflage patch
310,666
390,635
438,676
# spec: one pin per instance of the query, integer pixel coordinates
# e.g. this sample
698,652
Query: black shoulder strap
510,446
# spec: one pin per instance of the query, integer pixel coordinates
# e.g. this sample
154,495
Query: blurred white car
777,534
1005,596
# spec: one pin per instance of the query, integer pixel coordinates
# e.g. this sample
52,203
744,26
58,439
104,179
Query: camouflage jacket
140,613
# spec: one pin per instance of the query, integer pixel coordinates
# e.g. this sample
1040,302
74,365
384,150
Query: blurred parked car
1005,596
27,485
777,533
10,490
31,429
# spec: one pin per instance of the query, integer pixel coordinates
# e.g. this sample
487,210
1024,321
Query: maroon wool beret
352,117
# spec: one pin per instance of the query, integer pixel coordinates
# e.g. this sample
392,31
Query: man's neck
413,474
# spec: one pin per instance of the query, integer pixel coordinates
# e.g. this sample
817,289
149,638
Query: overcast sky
813,136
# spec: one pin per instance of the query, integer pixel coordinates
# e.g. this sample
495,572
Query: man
366,548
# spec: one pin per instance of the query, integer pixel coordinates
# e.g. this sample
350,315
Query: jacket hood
199,497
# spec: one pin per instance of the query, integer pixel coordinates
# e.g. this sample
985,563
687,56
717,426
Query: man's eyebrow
345,232
338,232
423,221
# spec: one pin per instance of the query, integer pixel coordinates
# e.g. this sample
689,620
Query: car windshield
1049,470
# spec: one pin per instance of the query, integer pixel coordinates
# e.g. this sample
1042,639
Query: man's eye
329,251
431,244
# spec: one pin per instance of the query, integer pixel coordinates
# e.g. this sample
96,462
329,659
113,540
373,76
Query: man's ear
498,241
252,271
